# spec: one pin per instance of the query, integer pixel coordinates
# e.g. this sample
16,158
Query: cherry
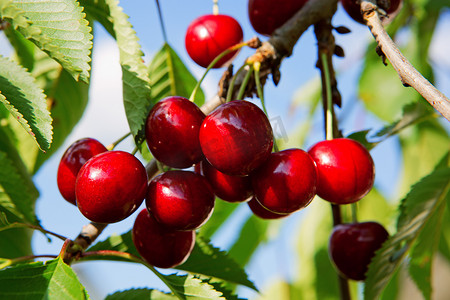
353,9
352,247
171,131
346,171
72,160
209,35
286,182
227,187
180,200
267,15
236,137
261,212
110,186
158,245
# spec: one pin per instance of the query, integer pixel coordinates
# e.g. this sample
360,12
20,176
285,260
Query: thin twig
409,76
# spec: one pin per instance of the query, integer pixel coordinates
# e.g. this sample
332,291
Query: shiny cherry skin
267,15
353,9
346,171
352,247
209,35
171,132
71,162
227,187
286,182
263,213
180,200
110,186
159,246
236,137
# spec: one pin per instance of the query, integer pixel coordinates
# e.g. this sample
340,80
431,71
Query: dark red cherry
352,247
286,182
261,212
236,137
209,35
171,131
180,200
346,171
227,187
110,186
267,15
71,162
158,245
354,11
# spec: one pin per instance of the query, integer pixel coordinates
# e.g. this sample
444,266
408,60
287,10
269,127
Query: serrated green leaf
25,101
99,11
210,261
58,27
170,77
50,280
419,205
205,259
136,87
15,197
190,287
140,294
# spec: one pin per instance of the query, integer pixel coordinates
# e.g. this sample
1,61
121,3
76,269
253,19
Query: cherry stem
132,258
244,84
260,91
232,82
163,28
354,212
214,62
215,7
121,139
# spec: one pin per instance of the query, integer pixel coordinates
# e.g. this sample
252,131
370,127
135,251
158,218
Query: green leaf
99,11
253,232
205,259
210,261
23,47
170,77
140,294
136,87
50,280
190,287
25,101
14,195
424,199
58,27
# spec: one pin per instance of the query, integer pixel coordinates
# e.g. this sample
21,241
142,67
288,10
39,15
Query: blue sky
104,119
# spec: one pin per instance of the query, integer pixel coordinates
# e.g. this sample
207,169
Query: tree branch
409,76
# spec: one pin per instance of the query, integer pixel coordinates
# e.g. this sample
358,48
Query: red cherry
346,171
227,187
352,247
110,186
236,137
71,162
286,182
354,11
209,35
158,245
171,131
267,15
261,212
180,200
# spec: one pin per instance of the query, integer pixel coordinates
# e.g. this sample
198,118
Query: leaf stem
163,27
260,91
34,227
14,261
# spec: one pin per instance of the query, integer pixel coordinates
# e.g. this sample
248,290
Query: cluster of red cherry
231,151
